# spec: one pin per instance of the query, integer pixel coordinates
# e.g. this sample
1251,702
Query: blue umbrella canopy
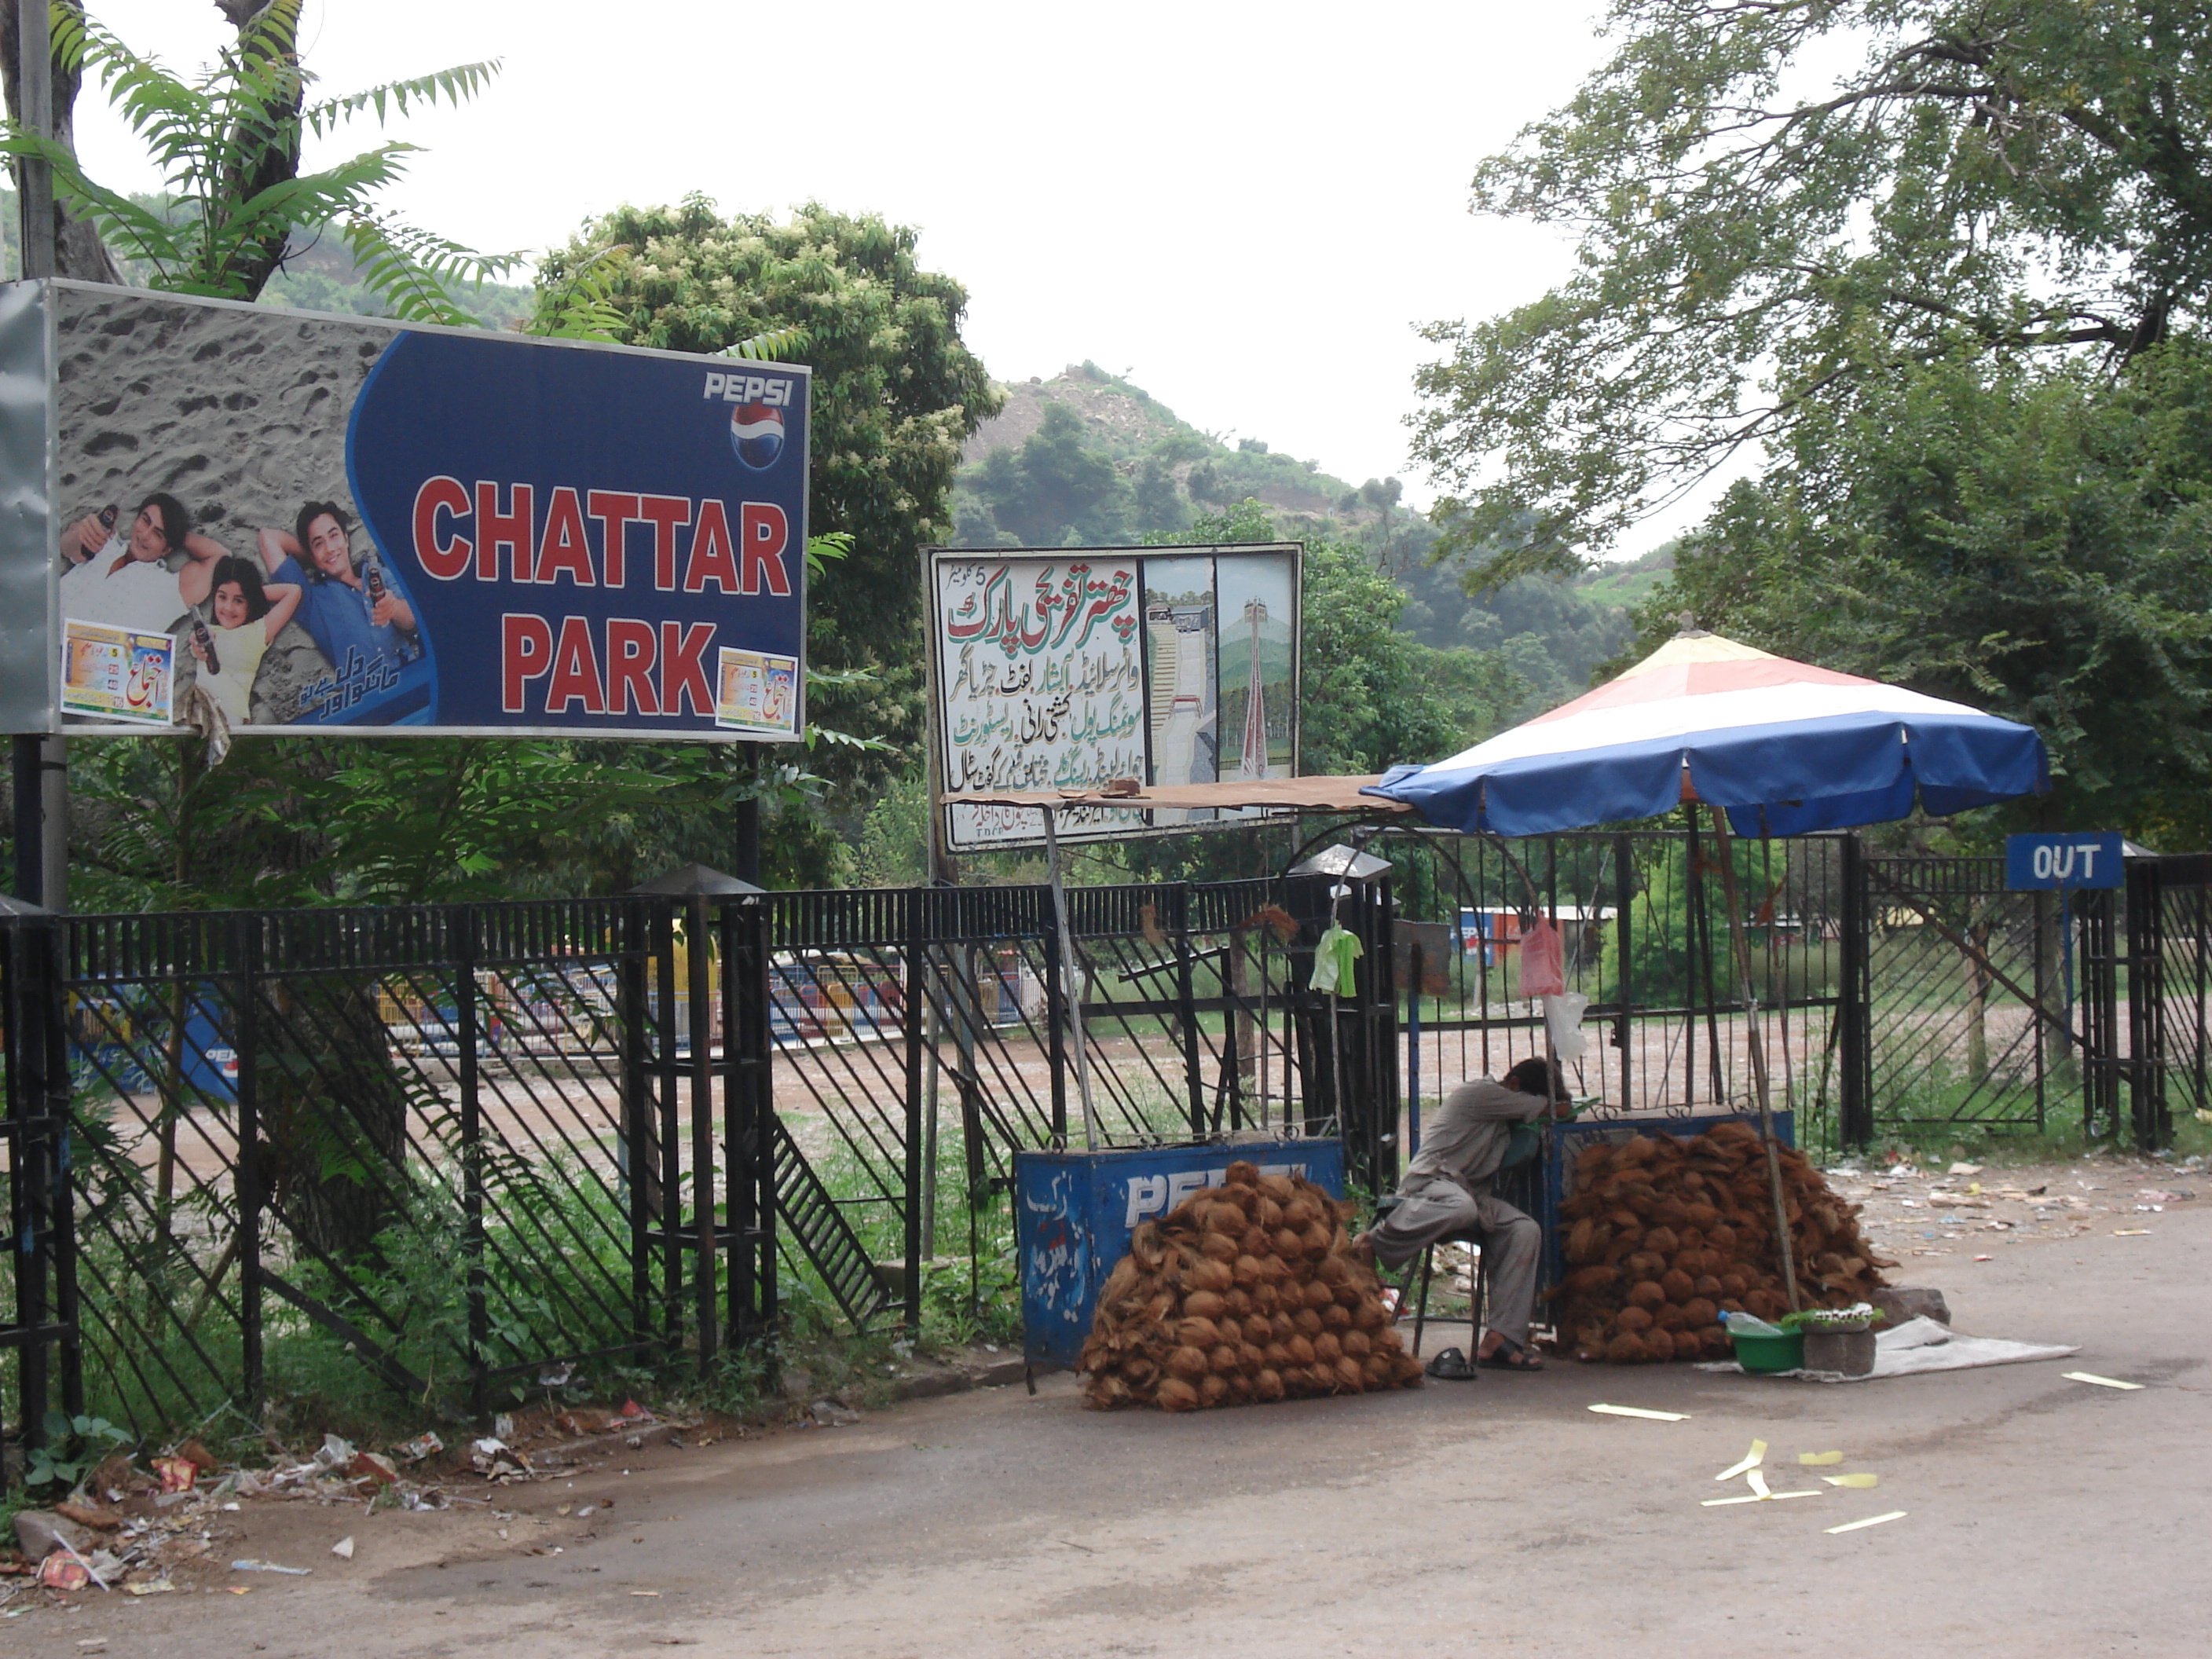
1784,747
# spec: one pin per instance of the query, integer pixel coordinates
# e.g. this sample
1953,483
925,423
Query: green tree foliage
228,145
896,392
1946,265
2035,542
1765,236
1055,490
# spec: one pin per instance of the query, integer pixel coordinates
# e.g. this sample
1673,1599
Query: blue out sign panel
2071,859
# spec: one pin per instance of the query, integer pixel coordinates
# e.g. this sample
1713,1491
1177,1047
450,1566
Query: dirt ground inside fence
2042,1515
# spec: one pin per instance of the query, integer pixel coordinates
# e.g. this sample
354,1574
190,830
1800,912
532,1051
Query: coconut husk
1244,1293
1662,1234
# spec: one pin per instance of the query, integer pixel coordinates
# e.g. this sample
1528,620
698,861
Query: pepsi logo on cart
756,434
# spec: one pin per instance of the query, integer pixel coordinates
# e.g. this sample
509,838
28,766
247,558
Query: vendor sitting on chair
1446,1193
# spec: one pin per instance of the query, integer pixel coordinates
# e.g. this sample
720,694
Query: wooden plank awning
1317,794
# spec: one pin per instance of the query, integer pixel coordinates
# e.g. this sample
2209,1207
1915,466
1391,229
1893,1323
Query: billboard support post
40,770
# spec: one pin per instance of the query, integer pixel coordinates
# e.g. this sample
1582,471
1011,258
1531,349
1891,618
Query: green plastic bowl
1761,1355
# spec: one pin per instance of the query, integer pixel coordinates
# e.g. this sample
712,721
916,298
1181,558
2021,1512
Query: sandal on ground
1510,1356
1451,1366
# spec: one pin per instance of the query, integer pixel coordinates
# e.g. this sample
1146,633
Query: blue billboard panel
348,524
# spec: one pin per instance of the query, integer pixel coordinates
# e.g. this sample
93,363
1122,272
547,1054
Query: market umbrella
1772,747
1782,746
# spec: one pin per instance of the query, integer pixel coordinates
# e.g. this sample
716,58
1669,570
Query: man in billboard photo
246,615
122,576
356,617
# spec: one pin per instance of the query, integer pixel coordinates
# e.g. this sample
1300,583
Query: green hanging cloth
1335,954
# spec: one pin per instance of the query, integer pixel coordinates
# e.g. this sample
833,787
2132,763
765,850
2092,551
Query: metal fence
248,1155
1645,937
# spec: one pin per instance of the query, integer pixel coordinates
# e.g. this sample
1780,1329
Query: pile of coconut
1664,1235
1244,1291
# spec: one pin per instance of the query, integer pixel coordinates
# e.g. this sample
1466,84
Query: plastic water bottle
1744,1324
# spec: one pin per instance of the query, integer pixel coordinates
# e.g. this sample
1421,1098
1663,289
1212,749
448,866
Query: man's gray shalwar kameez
1447,1190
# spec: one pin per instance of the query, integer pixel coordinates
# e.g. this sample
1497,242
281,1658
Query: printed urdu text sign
1067,670
429,529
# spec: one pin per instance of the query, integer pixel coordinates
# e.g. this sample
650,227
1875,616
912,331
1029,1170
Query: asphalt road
2043,1516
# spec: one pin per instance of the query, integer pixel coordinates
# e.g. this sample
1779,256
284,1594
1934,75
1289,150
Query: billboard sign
1067,670
344,524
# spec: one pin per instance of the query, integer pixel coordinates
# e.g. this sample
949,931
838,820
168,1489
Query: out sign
2090,858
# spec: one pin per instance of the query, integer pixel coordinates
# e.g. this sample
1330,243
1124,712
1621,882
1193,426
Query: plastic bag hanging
1543,962
1335,953
1563,1017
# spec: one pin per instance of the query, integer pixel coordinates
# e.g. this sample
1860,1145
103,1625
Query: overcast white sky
1248,208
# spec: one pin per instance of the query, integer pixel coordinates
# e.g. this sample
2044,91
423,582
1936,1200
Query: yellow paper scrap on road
1750,1460
1819,1460
1638,1411
1870,1521
1856,1482
1755,1497
2101,1382
1757,1482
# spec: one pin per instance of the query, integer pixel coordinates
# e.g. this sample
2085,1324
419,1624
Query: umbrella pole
1758,1048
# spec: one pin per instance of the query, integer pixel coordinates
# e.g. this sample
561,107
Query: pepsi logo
756,434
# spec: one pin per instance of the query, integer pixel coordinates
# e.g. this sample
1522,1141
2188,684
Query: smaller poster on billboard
113,673
757,691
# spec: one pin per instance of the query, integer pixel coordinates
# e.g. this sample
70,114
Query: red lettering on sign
614,511
511,529
711,557
525,652
767,534
683,670
565,546
630,667
443,559
664,514
575,671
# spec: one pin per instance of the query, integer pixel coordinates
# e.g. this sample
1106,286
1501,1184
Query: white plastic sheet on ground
1921,1345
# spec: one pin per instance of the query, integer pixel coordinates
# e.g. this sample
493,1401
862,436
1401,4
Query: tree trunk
334,1108
79,252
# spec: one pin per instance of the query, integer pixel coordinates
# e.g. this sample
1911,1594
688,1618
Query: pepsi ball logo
756,434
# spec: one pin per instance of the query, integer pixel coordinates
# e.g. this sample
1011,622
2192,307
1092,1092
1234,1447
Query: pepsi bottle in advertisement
372,577
205,641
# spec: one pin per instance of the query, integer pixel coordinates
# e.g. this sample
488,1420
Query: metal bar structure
446,1146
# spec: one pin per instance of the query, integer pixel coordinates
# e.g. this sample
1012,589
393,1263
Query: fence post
2147,1102
246,953
2100,994
1624,895
747,1099
1854,1107
1194,1077
640,1161
472,1169
916,1166
1055,1012
705,1246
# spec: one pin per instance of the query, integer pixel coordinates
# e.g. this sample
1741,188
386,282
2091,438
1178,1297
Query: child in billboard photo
247,615
355,614
122,575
